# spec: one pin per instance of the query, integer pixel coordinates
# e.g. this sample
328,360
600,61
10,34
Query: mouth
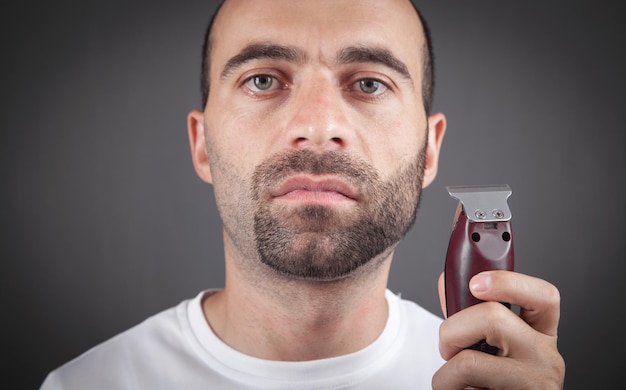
318,191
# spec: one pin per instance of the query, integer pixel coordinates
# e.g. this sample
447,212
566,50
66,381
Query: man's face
315,131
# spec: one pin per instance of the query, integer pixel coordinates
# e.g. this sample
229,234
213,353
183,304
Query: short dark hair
428,74
206,57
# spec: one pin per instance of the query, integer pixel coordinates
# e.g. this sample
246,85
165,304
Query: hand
528,357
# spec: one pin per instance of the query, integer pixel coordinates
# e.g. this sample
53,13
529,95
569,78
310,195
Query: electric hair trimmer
481,240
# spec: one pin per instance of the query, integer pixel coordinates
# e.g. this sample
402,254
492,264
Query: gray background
105,223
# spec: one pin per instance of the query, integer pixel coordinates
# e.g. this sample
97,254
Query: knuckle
466,363
496,313
437,381
444,330
558,368
553,296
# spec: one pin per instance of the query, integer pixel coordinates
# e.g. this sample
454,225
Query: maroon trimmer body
481,240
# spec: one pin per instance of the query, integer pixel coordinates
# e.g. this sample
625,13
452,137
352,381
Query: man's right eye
261,82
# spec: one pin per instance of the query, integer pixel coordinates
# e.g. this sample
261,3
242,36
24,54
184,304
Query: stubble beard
321,243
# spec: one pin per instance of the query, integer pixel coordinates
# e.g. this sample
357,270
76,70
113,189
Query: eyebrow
347,55
376,55
258,51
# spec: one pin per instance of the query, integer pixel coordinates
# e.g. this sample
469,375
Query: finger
476,369
539,300
473,369
442,294
492,322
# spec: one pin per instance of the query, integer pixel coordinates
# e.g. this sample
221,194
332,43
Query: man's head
315,132
428,76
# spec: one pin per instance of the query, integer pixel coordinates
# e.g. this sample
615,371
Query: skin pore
331,93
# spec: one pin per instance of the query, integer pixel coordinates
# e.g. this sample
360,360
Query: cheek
233,195
238,135
396,143
231,164
230,183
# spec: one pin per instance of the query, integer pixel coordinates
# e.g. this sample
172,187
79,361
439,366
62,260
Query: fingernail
480,283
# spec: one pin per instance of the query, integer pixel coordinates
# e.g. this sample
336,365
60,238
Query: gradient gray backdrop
105,223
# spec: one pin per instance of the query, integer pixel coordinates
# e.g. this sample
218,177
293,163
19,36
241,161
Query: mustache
278,167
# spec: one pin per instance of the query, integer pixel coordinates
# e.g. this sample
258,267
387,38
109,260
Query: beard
321,243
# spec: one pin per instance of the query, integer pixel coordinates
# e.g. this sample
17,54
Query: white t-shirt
176,349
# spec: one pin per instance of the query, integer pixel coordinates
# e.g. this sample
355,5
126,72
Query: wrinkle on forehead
322,22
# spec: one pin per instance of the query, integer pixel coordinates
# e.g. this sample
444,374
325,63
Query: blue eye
262,82
371,86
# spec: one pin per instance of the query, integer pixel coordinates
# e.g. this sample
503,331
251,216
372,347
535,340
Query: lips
300,187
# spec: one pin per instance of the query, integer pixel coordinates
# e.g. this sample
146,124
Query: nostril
319,142
337,140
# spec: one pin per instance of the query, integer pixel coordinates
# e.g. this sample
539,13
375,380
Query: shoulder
114,362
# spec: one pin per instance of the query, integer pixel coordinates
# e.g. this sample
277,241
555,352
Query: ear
436,131
195,127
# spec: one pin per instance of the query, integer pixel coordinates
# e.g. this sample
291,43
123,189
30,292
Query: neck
276,318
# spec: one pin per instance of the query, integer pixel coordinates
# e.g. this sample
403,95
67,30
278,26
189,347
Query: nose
317,118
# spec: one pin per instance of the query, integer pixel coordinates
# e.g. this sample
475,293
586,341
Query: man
317,137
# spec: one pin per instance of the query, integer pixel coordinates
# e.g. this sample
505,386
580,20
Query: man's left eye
262,83
371,86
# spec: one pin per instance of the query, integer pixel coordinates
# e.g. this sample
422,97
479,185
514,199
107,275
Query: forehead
319,28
